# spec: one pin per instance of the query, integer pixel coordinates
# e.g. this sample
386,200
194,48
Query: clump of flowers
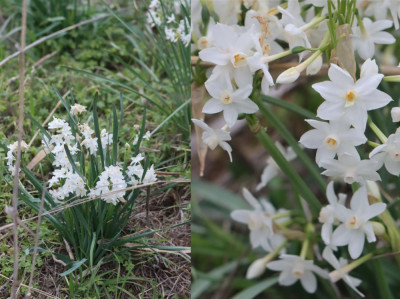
239,41
174,29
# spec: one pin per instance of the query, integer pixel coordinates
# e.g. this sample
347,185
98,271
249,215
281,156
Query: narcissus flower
389,154
230,101
259,221
369,33
272,169
294,268
214,137
331,139
328,214
355,223
338,264
348,100
352,169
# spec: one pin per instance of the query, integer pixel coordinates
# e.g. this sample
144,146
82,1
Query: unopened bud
288,76
379,228
395,114
373,189
314,66
258,267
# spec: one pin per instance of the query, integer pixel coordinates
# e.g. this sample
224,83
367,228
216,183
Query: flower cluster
12,148
174,29
240,45
66,182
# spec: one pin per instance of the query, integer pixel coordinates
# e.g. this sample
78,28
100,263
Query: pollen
331,142
350,98
239,59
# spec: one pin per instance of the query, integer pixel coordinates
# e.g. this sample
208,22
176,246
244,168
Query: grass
104,49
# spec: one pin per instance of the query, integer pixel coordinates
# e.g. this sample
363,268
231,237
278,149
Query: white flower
106,139
137,159
352,169
230,101
293,268
57,123
272,169
230,54
331,139
395,113
110,180
90,144
150,176
170,34
171,19
370,33
147,135
355,225
214,137
288,76
327,215
259,222
77,109
12,148
352,282
349,100
389,154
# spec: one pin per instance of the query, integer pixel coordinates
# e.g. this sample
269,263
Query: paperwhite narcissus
331,139
395,113
328,214
355,223
352,169
368,34
259,222
230,53
272,169
349,100
214,137
293,268
230,101
338,264
292,22
389,154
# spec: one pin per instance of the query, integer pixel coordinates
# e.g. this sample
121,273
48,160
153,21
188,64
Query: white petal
356,244
340,76
214,55
286,278
309,282
374,210
251,199
213,106
312,139
241,216
341,236
230,115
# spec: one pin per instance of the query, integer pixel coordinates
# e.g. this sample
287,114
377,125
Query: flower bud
395,114
288,76
257,268
379,228
314,66
373,189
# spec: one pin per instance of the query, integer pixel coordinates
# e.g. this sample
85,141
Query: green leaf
75,265
115,136
256,289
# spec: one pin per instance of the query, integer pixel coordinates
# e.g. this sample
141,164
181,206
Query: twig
33,289
43,39
37,63
39,222
147,207
15,283
70,254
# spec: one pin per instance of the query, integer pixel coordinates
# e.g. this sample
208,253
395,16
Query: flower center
225,97
354,222
202,43
254,222
331,142
298,270
211,140
239,59
349,177
350,98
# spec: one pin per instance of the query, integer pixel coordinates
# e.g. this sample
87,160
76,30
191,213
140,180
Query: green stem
304,248
373,144
395,78
377,131
298,184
